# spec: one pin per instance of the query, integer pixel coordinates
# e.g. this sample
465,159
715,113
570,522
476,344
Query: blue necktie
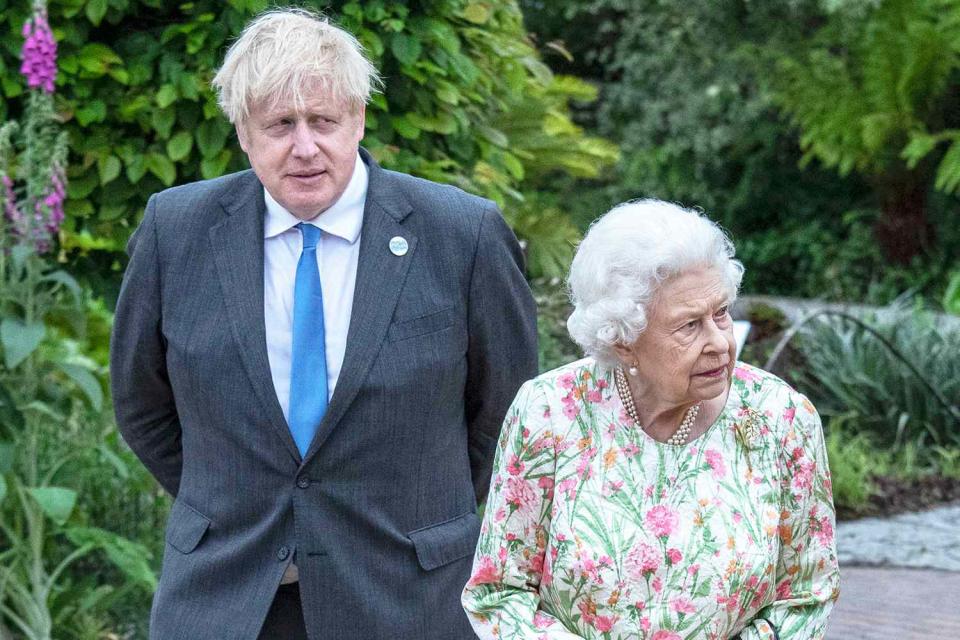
308,370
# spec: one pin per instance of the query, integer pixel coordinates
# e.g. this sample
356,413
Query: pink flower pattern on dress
715,461
661,520
649,541
642,561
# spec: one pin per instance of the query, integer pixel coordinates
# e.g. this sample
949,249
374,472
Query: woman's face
687,352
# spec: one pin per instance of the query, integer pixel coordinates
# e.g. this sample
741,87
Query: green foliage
868,90
951,298
874,91
851,372
134,92
553,309
48,393
682,91
854,458
840,260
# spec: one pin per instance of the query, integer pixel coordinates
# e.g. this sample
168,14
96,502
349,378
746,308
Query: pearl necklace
680,436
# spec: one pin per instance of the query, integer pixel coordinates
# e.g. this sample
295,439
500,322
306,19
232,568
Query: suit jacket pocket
442,543
434,321
186,527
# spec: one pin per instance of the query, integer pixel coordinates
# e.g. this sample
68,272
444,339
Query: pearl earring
633,371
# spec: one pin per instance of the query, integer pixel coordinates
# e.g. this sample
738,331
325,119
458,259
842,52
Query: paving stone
930,539
896,604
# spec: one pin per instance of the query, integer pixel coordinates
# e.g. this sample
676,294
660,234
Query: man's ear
361,122
241,130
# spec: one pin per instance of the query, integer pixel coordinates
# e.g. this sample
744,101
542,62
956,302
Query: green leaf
87,382
477,12
120,75
11,419
3,489
353,9
19,254
216,166
123,471
917,149
93,111
136,168
95,58
179,146
19,340
406,129
6,457
162,167
951,299
211,137
948,173
163,121
405,48
166,96
44,409
442,122
110,212
78,209
56,502
96,9
129,557
62,277
109,168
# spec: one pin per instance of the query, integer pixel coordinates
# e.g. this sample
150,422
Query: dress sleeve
808,577
502,598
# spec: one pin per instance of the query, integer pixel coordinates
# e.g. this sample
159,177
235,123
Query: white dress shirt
337,252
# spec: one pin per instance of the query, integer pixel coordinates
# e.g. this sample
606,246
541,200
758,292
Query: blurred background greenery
823,134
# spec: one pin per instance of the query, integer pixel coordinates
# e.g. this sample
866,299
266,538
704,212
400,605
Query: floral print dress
593,529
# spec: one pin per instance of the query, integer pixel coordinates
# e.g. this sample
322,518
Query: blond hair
284,54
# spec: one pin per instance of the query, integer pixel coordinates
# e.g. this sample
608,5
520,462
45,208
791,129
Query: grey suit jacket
381,512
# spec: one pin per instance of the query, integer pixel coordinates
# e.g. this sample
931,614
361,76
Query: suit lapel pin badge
398,246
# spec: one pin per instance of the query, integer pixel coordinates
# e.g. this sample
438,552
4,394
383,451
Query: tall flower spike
39,53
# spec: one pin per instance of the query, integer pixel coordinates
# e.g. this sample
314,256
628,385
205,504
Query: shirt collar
343,219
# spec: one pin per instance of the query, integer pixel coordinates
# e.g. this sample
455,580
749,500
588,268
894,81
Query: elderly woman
658,489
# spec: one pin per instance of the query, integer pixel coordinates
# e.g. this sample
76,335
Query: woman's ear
625,354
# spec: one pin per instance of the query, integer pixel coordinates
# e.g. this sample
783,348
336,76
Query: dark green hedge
133,90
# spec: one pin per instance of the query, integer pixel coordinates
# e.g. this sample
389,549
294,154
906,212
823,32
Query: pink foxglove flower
39,53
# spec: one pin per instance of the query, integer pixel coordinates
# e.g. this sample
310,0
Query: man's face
304,158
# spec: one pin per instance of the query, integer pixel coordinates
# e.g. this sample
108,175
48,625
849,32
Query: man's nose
304,143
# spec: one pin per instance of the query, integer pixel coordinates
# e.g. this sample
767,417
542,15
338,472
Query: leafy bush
951,298
873,91
553,309
853,460
839,260
467,100
850,371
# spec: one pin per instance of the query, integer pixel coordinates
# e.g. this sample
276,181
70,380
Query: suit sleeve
502,348
142,395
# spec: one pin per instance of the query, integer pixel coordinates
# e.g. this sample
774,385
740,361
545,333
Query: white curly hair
626,256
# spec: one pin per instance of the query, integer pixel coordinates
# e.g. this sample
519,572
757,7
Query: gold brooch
747,430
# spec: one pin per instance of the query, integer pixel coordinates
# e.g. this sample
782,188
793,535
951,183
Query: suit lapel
380,277
237,244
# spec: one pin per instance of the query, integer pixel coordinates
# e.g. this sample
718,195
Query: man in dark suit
314,358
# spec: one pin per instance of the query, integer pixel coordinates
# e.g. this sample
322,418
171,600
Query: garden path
900,577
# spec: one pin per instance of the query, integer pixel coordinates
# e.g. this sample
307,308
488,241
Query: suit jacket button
303,482
283,553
